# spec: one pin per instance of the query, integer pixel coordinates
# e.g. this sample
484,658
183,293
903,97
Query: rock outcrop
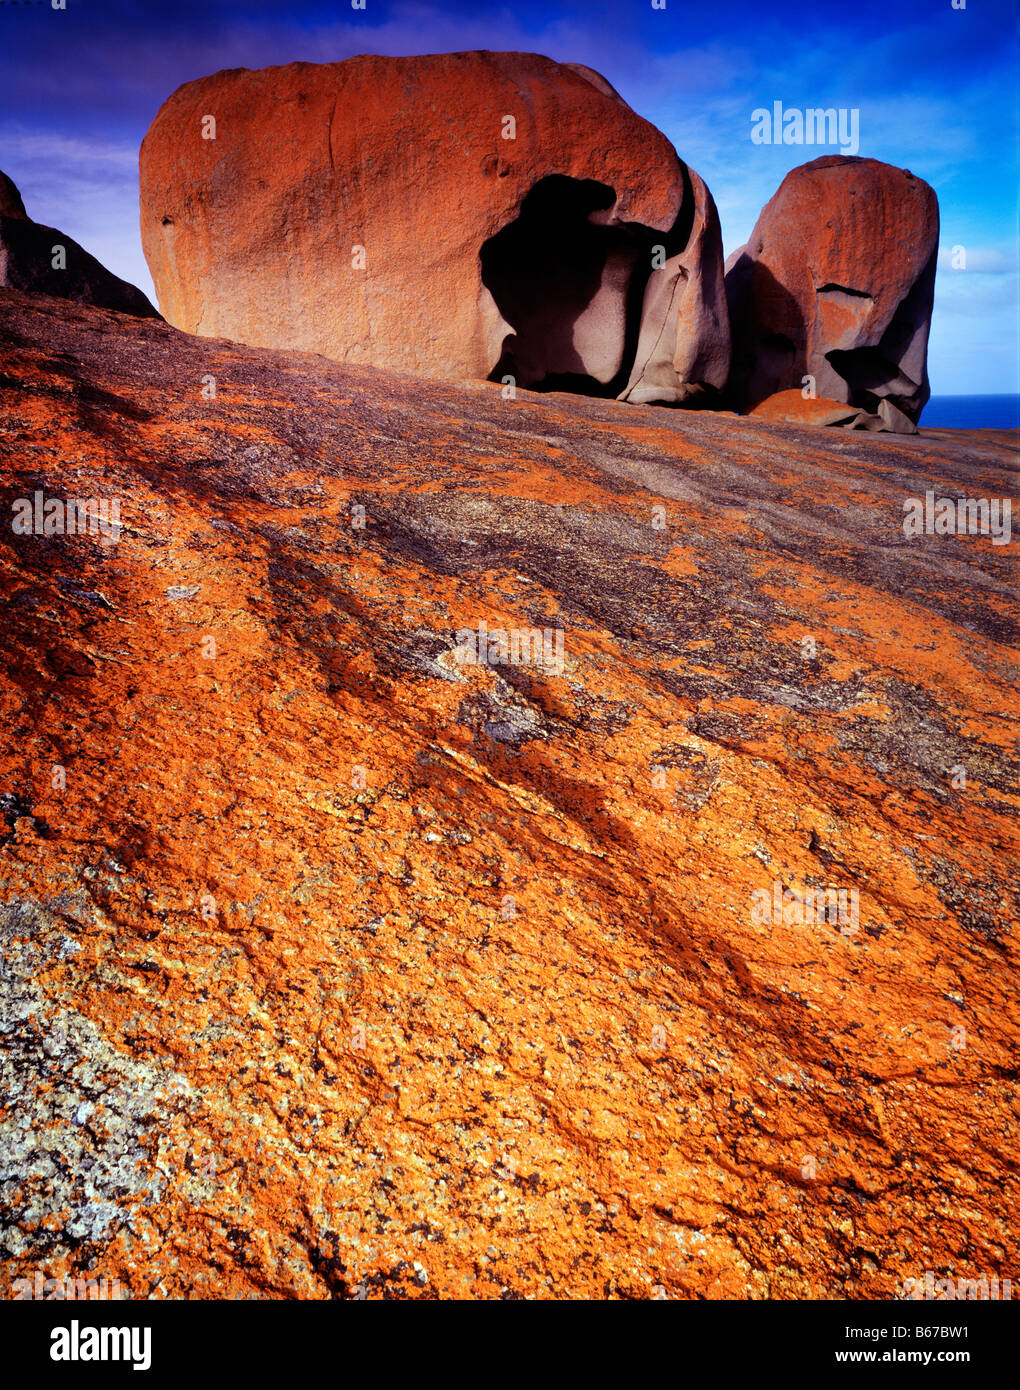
43,260
836,282
333,966
793,408
11,202
462,215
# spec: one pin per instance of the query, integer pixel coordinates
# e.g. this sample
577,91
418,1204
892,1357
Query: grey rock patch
80,1130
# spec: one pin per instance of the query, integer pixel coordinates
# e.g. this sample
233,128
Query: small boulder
791,408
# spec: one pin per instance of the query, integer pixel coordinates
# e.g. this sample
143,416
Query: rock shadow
571,284
769,335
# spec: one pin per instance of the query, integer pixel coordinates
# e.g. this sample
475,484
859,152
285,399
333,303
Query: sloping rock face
41,259
337,965
837,282
460,215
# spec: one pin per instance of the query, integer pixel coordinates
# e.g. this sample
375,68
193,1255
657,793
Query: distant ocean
972,413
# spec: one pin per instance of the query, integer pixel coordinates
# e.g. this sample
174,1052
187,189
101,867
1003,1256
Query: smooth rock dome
462,215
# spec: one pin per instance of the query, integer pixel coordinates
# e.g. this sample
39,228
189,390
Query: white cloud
23,144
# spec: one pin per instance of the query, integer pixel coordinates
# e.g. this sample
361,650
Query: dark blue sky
936,88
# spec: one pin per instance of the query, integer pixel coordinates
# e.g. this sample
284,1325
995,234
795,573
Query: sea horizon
968,412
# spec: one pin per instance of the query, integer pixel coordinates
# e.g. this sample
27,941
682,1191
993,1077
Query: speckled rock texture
335,966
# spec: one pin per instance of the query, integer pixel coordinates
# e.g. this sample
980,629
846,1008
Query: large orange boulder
836,282
460,215
41,260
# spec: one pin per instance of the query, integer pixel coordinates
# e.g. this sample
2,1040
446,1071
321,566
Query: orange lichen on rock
793,408
337,964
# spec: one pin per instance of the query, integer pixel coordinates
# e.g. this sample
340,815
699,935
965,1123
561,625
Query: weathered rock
837,282
42,260
529,256
332,965
691,358
792,408
894,419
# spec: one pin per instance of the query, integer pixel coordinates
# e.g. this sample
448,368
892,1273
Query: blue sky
936,87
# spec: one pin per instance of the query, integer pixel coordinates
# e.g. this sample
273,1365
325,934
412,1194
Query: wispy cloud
19,143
